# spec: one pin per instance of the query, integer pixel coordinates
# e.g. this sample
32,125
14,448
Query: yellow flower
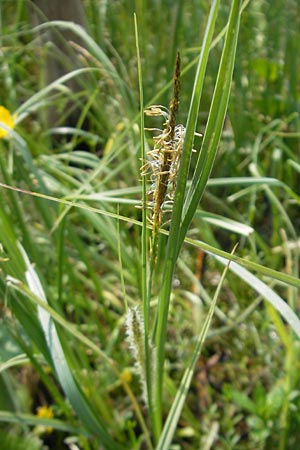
7,119
44,412
126,376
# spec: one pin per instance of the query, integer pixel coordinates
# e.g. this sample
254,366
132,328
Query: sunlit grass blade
62,368
259,268
263,270
225,223
13,362
269,295
32,420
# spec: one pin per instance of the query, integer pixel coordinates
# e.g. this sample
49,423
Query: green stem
173,241
146,288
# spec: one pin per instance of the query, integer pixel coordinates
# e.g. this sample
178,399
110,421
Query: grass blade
63,371
269,295
176,409
33,420
276,275
144,241
215,121
178,205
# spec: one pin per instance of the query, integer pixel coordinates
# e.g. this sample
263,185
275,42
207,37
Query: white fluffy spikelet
135,335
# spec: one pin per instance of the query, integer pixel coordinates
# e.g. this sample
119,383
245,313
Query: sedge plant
171,145
71,197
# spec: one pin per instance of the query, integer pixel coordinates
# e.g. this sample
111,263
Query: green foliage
11,441
220,366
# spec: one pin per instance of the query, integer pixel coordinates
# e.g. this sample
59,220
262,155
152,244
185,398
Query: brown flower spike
165,156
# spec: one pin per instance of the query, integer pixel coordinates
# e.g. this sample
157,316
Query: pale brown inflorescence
163,163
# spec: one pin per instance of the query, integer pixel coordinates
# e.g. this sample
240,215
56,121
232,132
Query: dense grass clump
149,227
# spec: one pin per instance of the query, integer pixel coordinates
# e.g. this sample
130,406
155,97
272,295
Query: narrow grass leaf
249,181
63,371
96,51
144,243
178,404
263,270
34,102
31,420
265,291
15,361
225,223
173,245
215,120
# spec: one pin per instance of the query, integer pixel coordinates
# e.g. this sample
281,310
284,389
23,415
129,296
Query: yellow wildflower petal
45,412
7,119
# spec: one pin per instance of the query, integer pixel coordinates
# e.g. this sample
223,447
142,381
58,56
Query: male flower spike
7,119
